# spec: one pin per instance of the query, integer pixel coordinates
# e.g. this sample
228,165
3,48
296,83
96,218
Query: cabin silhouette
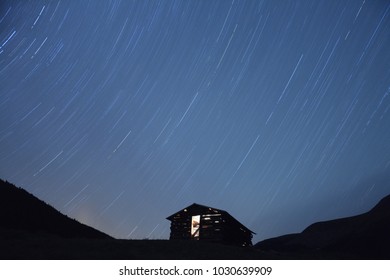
199,222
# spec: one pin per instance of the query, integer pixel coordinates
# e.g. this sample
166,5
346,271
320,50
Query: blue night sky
120,113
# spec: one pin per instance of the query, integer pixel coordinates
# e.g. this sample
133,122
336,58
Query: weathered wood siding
215,226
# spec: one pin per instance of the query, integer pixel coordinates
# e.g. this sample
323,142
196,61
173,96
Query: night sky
120,113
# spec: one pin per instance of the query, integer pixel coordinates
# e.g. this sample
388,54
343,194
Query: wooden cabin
199,222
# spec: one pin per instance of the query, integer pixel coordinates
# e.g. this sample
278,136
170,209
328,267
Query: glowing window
195,226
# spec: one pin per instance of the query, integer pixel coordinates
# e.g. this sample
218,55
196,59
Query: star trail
120,113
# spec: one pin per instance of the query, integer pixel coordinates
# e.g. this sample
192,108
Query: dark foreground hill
365,236
23,213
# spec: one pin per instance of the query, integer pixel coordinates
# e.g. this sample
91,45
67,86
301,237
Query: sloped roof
198,208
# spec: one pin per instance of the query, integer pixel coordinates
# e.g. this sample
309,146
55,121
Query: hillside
22,213
365,236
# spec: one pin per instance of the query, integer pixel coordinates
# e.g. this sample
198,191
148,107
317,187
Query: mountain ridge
20,211
365,235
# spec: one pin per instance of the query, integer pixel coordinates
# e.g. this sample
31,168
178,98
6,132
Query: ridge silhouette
22,211
364,236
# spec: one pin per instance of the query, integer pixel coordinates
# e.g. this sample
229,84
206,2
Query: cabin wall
181,227
214,227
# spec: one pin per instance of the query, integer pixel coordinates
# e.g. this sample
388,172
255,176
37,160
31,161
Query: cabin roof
198,208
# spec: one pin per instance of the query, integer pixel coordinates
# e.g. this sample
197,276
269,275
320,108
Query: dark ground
52,248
